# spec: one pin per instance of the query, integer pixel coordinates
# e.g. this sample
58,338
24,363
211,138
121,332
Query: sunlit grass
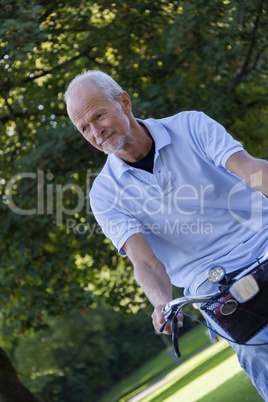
213,374
157,367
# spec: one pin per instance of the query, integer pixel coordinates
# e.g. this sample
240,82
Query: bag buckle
244,289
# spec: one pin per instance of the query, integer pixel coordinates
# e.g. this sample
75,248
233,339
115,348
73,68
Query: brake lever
174,332
175,336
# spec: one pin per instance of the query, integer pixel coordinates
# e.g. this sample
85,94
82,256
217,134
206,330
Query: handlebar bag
241,321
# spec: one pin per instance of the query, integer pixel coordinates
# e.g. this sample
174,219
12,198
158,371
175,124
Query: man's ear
126,102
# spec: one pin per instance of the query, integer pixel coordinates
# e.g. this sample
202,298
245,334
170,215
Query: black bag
242,321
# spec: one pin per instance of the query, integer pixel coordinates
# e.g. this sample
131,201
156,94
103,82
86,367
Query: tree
77,357
207,55
11,389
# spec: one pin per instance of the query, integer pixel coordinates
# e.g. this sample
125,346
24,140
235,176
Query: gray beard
119,147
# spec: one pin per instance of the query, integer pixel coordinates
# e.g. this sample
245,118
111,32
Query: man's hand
158,319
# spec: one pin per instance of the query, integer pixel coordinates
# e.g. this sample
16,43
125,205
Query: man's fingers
180,319
158,320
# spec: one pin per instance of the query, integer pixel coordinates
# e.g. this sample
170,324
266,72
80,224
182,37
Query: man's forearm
259,181
155,282
254,171
149,271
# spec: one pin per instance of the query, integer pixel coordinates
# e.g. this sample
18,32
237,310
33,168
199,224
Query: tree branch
258,57
244,70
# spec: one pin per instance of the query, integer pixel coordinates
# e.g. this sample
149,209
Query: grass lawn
210,375
158,367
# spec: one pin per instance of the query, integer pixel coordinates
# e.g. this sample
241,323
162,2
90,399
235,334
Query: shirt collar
160,136
158,132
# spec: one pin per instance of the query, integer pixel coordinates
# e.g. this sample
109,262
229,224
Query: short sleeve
214,140
118,225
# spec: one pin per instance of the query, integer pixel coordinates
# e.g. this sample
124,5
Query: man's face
103,123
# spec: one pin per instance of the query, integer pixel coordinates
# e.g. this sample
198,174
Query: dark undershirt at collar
146,163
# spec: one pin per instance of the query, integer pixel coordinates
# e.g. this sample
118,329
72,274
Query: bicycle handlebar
177,304
170,311
243,285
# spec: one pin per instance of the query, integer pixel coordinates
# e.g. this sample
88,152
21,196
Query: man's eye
101,116
84,129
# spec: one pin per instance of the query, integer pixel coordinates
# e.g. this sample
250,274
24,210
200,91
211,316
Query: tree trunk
11,389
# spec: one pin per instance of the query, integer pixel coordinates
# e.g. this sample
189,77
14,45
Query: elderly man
178,195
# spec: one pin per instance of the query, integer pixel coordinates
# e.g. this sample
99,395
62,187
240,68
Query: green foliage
170,56
207,55
84,354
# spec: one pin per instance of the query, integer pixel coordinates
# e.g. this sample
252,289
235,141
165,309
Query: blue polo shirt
194,213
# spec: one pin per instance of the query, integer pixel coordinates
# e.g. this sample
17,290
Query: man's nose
97,130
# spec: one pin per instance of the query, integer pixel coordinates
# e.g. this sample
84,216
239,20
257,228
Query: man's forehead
86,94
86,104
87,89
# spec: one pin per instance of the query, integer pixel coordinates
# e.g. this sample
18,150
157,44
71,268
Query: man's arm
151,275
253,171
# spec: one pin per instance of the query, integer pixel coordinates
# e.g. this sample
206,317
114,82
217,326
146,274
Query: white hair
110,87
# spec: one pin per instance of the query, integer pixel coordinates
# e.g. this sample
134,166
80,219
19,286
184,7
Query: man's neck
138,145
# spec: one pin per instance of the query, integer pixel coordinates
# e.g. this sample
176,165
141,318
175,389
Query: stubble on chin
118,147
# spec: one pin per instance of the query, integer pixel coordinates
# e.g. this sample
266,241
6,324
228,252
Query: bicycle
239,295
